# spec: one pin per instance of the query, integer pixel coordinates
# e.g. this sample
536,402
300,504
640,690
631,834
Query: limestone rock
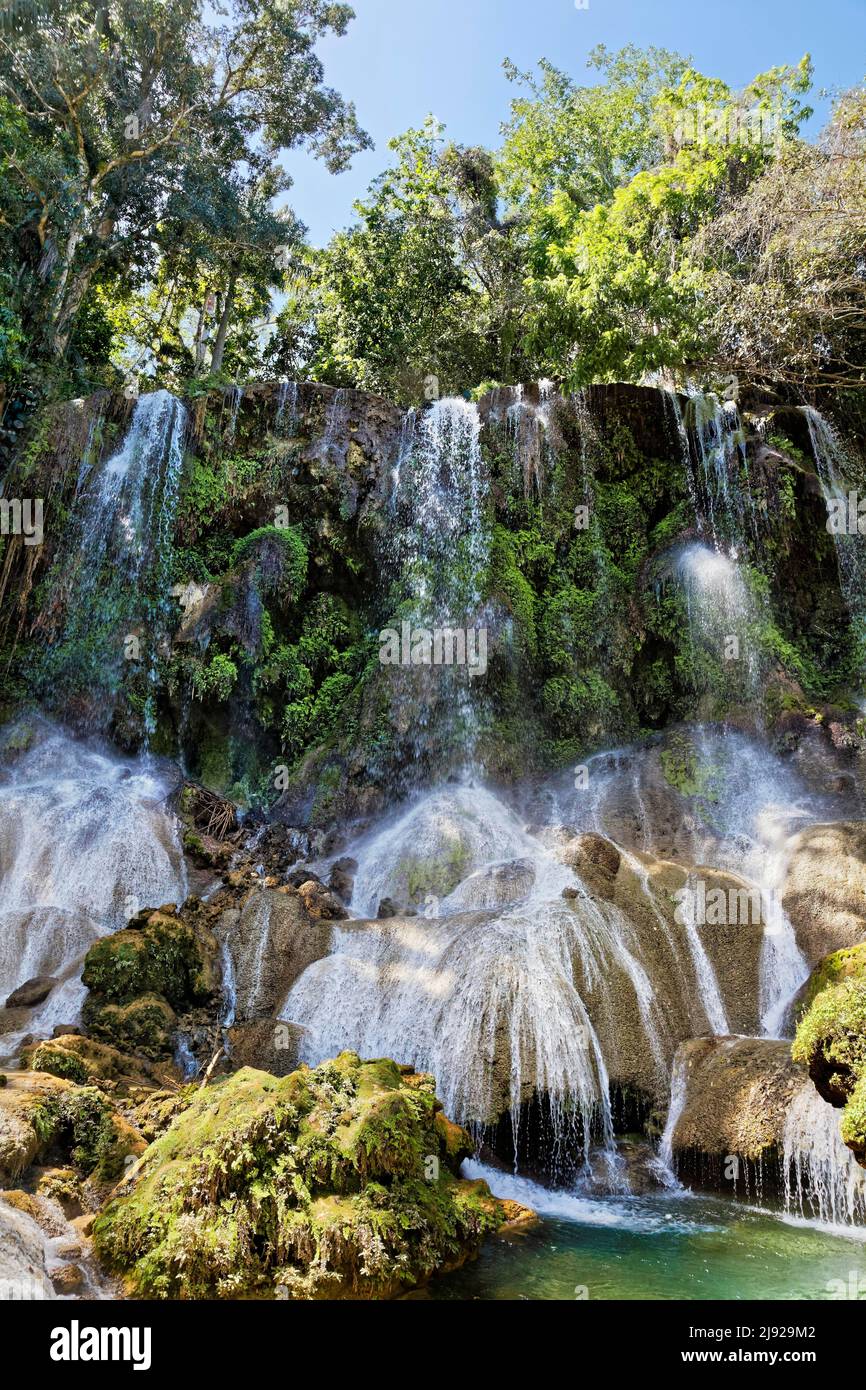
272,941
737,1097
31,992
824,892
373,1209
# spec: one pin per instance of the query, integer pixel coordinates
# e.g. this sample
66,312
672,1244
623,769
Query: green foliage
280,558
316,1181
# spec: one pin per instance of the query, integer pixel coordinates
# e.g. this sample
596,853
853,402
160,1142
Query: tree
786,262
129,95
428,282
616,289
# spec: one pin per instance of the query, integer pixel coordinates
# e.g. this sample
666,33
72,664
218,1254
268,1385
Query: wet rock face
376,1206
272,940
31,992
738,1092
824,892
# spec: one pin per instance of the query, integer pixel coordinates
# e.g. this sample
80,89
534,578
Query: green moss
144,1026
57,1061
82,1123
162,956
319,1181
687,772
831,1038
280,557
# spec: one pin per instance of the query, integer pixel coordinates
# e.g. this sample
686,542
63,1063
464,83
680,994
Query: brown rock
66,1279
31,992
824,892
321,904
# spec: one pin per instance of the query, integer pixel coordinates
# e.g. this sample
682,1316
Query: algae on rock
337,1182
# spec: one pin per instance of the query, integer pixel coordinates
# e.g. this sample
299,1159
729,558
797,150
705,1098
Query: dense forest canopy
650,220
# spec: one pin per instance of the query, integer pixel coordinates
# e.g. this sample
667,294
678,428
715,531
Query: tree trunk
200,342
73,285
216,360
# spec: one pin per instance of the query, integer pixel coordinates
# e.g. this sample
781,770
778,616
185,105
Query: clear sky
401,59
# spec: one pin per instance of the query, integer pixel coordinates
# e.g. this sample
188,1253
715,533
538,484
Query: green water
664,1246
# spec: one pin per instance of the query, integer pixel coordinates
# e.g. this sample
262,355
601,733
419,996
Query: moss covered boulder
831,1039
84,1060
340,1182
162,963
158,953
45,1117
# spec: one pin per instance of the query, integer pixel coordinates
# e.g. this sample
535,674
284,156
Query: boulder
41,1114
737,1095
145,1026
831,1035
31,992
321,903
824,892
374,1205
271,941
342,877
158,953
23,1273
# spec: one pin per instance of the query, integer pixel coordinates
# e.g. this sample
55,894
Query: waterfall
286,419
722,615
111,580
86,841
676,1105
488,988
823,1180
708,985
721,482
236,395
337,418
439,504
834,468
528,423
442,499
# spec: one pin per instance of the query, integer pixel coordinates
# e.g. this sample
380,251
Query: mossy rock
849,963
58,1061
854,1122
831,1039
336,1182
43,1115
145,1025
156,954
82,1059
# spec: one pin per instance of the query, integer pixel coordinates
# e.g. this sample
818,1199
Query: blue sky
401,59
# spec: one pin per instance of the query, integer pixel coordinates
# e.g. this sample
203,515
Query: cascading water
86,841
508,986
722,615
528,423
834,472
823,1180
236,395
439,505
111,581
286,420
676,1105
